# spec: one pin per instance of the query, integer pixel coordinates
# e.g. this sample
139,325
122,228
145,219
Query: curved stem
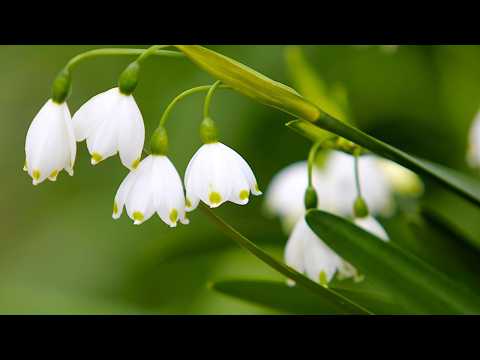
150,51
357,175
183,95
337,300
208,98
119,51
311,160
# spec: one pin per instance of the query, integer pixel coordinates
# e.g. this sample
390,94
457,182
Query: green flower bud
128,80
360,208
208,131
159,141
61,87
310,199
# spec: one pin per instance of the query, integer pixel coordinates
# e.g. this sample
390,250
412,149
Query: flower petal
131,132
93,113
122,193
371,225
169,200
139,201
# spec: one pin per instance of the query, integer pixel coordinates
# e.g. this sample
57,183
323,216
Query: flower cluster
112,123
335,185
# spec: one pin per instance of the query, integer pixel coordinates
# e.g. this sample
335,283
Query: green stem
150,51
336,299
269,92
183,95
122,52
456,182
311,159
357,175
208,99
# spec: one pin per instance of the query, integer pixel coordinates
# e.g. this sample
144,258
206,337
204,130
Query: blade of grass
417,285
336,301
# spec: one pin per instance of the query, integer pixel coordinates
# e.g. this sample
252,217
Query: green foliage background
60,251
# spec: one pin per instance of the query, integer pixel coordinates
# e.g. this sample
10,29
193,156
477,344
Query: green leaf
455,215
451,179
416,285
271,93
293,300
277,295
336,302
438,246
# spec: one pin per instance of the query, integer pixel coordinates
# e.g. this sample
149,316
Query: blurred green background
60,251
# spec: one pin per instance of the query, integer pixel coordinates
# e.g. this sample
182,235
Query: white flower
216,174
335,186
308,254
402,180
111,122
50,144
375,187
371,225
154,186
473,156
286,192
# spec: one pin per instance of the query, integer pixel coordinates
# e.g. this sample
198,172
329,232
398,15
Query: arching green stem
157,51
183,95
357,174
208,99
311,160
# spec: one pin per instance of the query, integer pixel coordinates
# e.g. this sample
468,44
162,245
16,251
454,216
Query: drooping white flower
285,193
473,155
154,186
376,190
111,122
308,254
371,225
217,174
50,144
335,186
402,180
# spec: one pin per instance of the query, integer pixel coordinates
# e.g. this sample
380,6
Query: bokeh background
60,251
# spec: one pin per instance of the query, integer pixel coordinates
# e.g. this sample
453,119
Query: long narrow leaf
416,285
337,303
451,179
277,295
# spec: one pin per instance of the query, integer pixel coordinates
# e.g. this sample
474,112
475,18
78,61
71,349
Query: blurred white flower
216,174
50,144
285,194
371,225
335,186
473,155
402,180
376,190
154,186
111,122
308,254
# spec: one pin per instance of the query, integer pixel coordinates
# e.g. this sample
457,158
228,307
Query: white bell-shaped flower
111,122
308,254
50,144
473,155
376,189
335,186
217,174
154,186
285,193
371,225
402,180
